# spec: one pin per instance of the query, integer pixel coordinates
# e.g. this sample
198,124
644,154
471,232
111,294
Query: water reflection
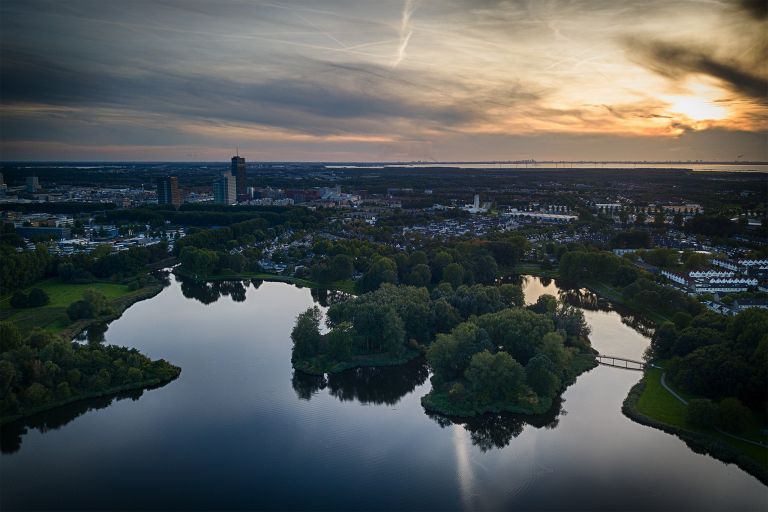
582,298
385,385
327,298
489,431
12,433
210,292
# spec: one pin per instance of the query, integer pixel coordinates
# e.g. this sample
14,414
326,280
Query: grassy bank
441,403
347,286
651,404
53,316
323,364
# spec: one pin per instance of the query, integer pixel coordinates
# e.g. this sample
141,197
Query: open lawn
53,317
64,294
659,404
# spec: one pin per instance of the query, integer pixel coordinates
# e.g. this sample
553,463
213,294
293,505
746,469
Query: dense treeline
717,357
19,269
391,321
43,371
516,359
217,215
637,287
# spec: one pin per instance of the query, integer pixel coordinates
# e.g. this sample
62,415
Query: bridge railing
620,362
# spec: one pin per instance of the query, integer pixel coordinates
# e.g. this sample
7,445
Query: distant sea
762,167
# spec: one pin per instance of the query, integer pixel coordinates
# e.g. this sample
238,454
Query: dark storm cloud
757,9
677,61
317,102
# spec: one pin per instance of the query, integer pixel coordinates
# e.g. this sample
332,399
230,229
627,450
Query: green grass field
63,294
53,317
659,404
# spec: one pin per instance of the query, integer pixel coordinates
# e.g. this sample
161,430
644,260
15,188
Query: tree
732,415
520,332
383,270
39,338
495,377
546,305
341,341
342,267
450,354
677,220
392,333
453,274
446,316
682,319
541,375
701,413
200,262
663,339
306,334
420,275
441,260
512,295
19,299
37,298
10,338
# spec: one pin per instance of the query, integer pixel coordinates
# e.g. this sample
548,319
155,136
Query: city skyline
384,81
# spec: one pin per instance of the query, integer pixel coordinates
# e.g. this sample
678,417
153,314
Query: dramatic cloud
676,61
372,80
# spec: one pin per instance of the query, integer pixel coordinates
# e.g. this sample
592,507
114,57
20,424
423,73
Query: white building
676,278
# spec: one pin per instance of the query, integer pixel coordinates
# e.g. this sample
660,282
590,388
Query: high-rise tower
224,189
238,171
168,191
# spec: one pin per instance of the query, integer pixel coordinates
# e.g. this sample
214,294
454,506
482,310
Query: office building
238,170
33,185
225,189
168,191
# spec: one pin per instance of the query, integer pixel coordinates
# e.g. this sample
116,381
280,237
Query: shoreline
70,332
436,402
120,304
341,286
698,442
116,390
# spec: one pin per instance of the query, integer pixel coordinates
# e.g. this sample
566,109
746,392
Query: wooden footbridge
620,362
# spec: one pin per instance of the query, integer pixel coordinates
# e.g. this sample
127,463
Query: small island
515,360
488,352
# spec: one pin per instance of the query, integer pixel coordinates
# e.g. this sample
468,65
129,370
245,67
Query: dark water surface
238,430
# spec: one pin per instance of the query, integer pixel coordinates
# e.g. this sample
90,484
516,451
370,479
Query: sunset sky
381,80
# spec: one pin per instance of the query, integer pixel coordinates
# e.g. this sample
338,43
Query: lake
238,430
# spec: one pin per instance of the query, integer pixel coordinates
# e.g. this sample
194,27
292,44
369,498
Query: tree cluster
393,319
34,299
513,359
717,357
43,370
